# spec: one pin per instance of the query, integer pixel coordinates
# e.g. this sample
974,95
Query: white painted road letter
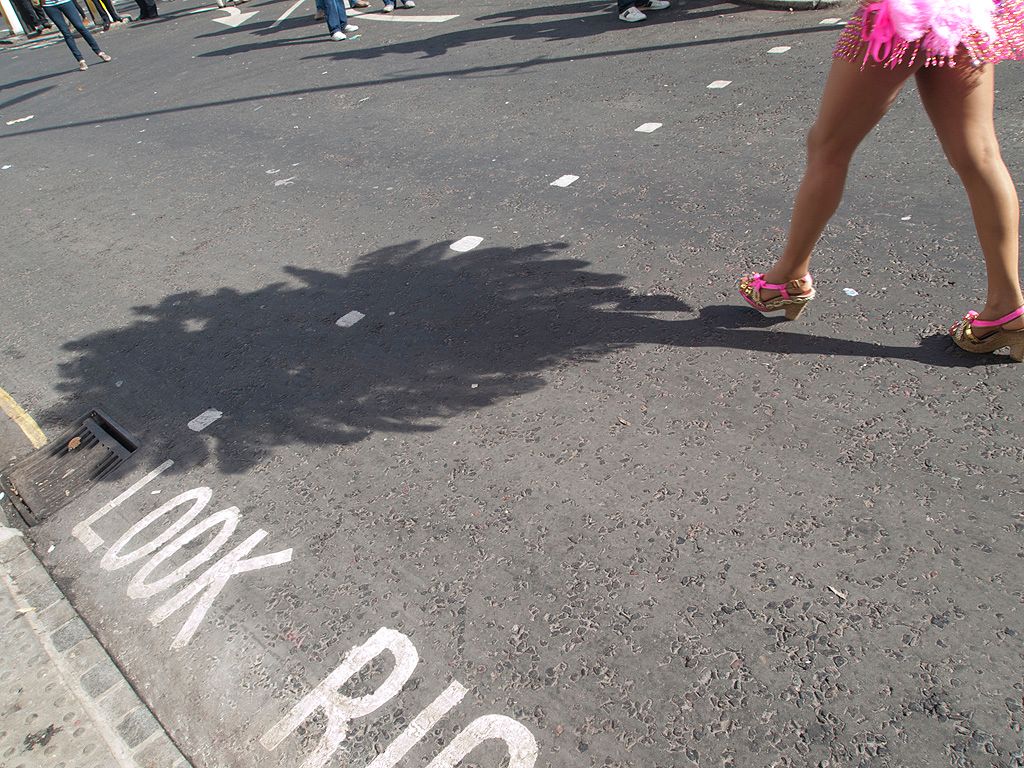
420,725
522,747
113,559
341,710
228,521
209,585
84,532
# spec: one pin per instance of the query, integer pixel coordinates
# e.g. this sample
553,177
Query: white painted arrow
234,17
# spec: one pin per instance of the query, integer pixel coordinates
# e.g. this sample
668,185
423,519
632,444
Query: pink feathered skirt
1007,45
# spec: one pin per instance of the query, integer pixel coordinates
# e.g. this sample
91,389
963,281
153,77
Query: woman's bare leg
959,101
852,104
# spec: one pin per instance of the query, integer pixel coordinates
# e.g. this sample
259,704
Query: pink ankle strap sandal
803,288
964,336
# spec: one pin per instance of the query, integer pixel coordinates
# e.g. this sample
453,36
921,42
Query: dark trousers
106,10
31,17
147,9
60,15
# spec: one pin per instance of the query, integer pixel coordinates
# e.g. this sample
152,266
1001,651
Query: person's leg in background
78,23
147,9
80,9
633,10
97,12
54,12
31,20
110,14
337,19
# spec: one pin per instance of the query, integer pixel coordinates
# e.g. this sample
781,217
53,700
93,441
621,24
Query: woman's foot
104,56
994,312
799,284
764,295
82,66
973,333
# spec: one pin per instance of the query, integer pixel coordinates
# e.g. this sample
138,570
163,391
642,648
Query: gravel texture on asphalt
586,480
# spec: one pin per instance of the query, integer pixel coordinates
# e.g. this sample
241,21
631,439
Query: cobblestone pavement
65,704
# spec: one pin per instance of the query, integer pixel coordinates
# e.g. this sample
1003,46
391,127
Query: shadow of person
444,333
737,327
552,24
695,9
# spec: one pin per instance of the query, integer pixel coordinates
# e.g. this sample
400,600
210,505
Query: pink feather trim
938,25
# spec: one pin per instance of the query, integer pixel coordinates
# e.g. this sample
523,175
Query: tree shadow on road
444,333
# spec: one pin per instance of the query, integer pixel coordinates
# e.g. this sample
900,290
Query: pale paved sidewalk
63,702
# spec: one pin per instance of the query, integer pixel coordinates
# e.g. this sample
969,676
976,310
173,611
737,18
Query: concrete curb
112,717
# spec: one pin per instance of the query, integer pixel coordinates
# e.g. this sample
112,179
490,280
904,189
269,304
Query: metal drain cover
53,476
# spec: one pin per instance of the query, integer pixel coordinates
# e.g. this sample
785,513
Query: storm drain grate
53,476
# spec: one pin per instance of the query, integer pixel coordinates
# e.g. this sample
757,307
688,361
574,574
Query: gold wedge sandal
793,296
964,335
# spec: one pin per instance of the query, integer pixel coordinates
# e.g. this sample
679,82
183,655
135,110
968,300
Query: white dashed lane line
467,243
564,181
350,319
647,127
719,83
204,419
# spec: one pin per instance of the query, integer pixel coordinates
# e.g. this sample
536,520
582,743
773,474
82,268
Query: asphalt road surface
559,495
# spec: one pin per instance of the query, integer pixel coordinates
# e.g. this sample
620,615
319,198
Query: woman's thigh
55,15
855,99
959,102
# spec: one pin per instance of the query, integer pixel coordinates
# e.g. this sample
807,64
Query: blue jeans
335,12
57,14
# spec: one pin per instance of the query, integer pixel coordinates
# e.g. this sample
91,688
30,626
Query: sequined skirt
1007,45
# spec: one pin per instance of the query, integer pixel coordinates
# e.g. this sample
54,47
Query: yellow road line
20,417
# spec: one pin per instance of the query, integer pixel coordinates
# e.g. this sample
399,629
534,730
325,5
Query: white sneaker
632,14
405,4
388,8
655,5
351,28
339,35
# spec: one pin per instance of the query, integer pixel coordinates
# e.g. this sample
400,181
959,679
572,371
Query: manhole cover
58,473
